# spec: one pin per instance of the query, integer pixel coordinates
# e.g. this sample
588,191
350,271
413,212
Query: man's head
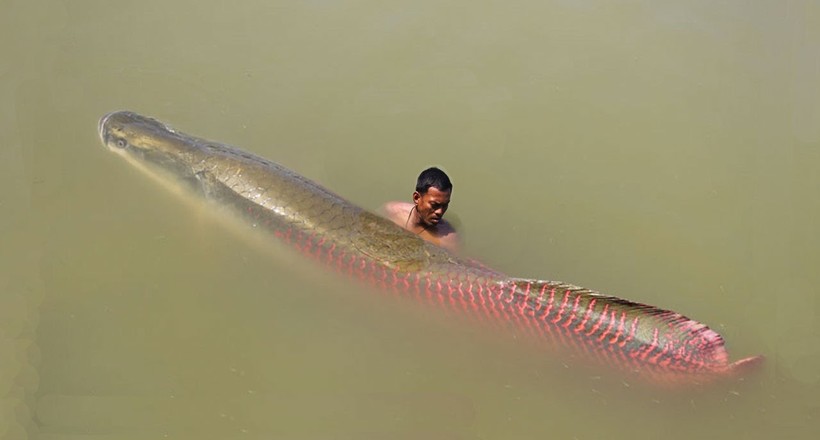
432,196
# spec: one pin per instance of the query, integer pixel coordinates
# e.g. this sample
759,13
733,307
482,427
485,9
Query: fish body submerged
658,344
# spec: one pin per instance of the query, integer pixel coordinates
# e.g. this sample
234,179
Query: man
424,217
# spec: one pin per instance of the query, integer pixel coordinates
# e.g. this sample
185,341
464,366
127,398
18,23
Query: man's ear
416,196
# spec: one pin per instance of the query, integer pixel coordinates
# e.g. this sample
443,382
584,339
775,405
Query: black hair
433,177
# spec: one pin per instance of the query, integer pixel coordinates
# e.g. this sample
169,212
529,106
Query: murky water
659,151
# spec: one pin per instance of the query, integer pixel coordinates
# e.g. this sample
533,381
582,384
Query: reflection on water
659,151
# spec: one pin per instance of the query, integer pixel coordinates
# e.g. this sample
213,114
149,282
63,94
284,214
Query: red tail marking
549,303
609,327
600,321
620,331
540,302
631,334
574,312
642,354
587,313
561,307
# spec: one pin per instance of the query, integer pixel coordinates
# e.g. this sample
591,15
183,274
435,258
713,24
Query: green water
661,151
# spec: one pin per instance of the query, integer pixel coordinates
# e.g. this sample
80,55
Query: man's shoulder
391,208
395,210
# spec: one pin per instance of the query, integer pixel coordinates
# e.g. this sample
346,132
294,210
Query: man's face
432,205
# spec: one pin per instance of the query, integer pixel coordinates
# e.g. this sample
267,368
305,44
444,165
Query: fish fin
746,365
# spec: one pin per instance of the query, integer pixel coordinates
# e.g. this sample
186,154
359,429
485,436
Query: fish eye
121,143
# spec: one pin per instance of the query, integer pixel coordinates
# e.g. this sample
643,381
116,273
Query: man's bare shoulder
396,211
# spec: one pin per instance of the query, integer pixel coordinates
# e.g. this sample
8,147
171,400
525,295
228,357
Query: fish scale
657,344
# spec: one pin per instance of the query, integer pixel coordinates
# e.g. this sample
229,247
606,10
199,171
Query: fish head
148,143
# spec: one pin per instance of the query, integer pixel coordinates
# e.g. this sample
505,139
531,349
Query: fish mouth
101,127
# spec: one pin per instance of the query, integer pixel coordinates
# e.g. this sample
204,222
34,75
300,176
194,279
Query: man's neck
416,222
